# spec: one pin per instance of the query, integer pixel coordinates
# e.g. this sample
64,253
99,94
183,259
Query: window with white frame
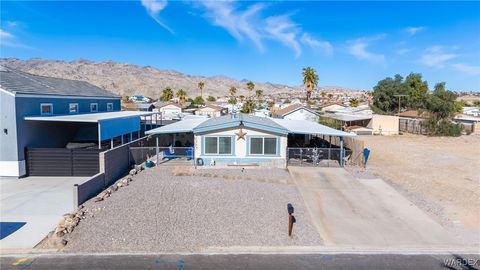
94,107
218,145
73,108
263,146
109,107
46,109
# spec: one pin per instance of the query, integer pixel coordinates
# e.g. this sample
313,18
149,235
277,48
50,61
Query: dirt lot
440,174
175,209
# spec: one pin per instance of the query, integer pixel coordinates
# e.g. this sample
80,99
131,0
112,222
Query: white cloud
468,69
6,35
414,29
248,24
359,49
435,56
281,28
154,7
322,45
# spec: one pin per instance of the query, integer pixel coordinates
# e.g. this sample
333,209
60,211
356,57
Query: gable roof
160,104
212,106
20,82
292,108
234,120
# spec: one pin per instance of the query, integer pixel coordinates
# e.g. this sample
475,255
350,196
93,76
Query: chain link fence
321,157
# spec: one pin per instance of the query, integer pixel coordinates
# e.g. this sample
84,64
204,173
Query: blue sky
350,44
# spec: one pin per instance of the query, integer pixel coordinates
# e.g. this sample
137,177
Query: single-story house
45,112
241,139
138,106
297,112
331,108
168,110
210,110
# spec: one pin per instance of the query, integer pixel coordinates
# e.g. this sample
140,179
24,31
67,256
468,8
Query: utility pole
399,97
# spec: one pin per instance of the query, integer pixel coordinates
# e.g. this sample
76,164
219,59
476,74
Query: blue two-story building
46,112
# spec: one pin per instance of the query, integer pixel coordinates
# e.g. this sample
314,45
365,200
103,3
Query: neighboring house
297,112
46,112
471,111
138,98
210,110
384,124
243,140
168,110
263,113
333,108
136,106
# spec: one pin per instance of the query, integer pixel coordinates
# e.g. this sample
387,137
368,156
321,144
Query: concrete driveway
38,201
365,212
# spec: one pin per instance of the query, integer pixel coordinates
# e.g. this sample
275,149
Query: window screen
224,145
256,146
211,145
270,146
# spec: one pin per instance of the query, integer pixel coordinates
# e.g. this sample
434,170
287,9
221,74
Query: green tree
167,94
248,106
310,80
384,100
232,100
417,90
259,94
323,94
441,103
211,98
199,101
354,102
181,95
232,91
200,86
330,96
476,103
459,105
241,97
250,87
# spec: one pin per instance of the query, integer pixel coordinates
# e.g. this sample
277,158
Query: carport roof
185,125
89,117
309,127
347,117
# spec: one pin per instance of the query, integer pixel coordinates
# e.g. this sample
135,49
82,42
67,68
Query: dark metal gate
62,162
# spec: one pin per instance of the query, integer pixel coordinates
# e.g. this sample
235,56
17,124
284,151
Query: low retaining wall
88,189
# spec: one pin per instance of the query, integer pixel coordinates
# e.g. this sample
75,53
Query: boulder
114,187
133,172
98,199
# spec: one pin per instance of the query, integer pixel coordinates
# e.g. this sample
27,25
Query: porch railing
163,154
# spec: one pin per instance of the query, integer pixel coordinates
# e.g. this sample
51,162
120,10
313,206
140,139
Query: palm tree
181,95
248,106
167,94
354,102
250,86
259,94
200,86
310,80
242,98
323,94
233,91
330,96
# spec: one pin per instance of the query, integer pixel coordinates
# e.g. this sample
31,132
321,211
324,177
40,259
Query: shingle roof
16,81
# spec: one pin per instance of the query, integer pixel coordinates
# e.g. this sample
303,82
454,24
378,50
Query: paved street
365,212
277,262
38,201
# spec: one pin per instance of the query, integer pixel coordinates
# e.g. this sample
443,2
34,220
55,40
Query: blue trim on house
232,147
235,124
239,160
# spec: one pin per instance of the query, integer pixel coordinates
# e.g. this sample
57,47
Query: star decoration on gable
241,135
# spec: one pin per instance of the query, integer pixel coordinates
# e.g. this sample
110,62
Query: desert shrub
442,127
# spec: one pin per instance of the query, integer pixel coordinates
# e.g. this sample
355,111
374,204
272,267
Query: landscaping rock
98,199
133,172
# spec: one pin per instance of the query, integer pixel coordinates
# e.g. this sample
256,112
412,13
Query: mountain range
126,79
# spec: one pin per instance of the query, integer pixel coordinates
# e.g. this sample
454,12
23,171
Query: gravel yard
439,174
181,209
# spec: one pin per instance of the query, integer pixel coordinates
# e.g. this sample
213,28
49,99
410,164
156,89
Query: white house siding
302,114
239,151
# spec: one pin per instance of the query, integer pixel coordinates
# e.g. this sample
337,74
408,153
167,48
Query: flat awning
347,117
89,117
310,128
185,125
110,124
